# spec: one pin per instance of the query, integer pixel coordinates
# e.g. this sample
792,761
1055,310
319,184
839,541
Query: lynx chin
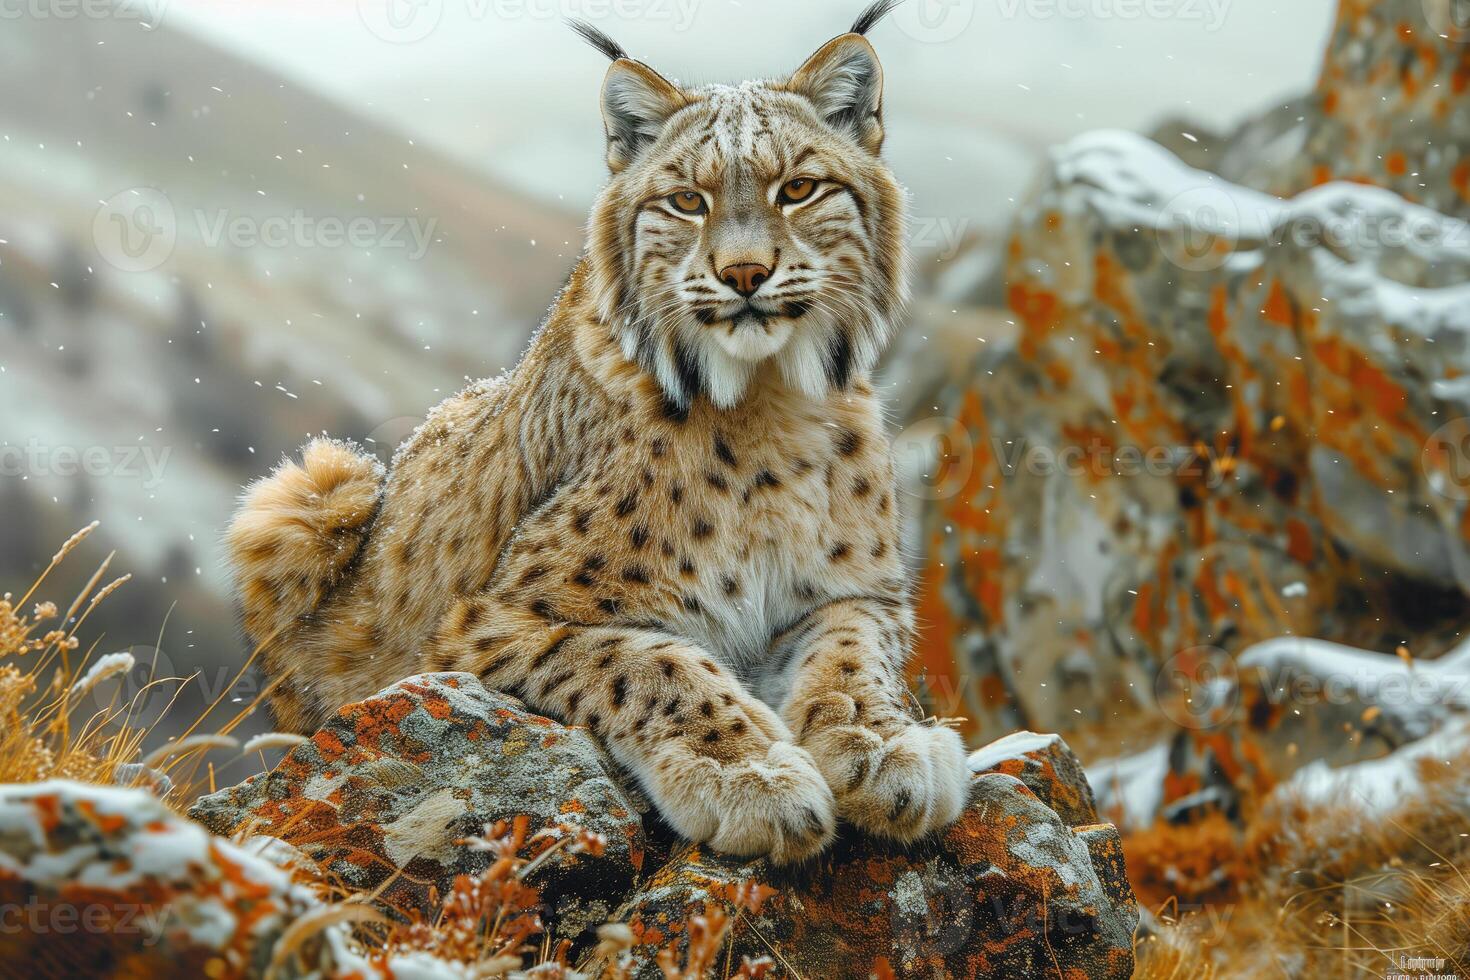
674,522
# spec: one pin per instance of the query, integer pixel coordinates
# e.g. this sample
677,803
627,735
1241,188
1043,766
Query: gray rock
397,782
1010,890
1218,421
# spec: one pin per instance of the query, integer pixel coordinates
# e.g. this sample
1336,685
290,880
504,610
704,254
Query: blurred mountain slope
183,298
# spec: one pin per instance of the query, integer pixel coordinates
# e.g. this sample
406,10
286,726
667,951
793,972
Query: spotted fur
674,522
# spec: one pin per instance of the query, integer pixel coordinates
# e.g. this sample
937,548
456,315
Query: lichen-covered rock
1237,405
1048,767
1389,109
1105,850
1216,426
1010,890
106,882
397,782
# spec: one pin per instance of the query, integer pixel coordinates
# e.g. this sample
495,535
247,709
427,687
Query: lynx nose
745,279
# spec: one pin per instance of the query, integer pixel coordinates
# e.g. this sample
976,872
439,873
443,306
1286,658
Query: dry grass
1313,890
55,724
44,733
63,712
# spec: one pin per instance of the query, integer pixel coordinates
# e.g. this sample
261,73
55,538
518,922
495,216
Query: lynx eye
798,190
688,202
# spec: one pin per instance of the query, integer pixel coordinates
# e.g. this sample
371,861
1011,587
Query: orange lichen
1193,863
1278,308
438,707
375,718
1039,310
1300,544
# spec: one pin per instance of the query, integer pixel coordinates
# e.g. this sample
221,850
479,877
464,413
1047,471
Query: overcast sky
976,88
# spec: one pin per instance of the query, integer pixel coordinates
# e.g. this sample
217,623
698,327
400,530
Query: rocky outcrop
1389,109
1236,405
1218,425
1011,889
391,787
389,799
1048,768
104,882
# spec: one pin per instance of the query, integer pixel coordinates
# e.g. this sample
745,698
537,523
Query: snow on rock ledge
109,882
1300,716
1046,764
1306,693
1379,785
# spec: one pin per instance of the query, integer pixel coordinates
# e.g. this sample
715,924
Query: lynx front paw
777,806
903,786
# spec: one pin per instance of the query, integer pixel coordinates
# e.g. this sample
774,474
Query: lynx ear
636,102
845,82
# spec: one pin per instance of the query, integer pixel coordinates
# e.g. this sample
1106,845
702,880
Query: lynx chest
723,530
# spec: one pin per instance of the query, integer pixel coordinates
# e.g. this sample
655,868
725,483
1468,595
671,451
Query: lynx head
750,227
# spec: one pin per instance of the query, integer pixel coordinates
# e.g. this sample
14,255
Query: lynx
674,522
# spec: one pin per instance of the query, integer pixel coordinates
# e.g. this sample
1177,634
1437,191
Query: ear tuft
869,18
610,48
636,102
845,82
